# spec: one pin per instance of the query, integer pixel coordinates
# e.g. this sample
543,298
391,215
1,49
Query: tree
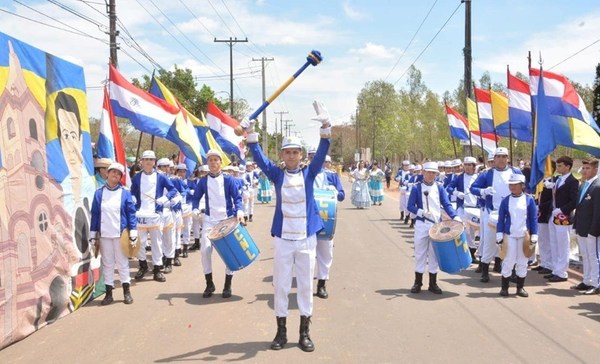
596,96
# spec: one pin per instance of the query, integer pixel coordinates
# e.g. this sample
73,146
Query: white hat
118,166
242,168
456,162
406,163
327,158
418,167
291,142
102,163
440,164
163,162
171,164
228,168
516,178
212,152
148,154
430,167
490,157
181,166
312,150
501,151
470,160
204,168
448,164
412,166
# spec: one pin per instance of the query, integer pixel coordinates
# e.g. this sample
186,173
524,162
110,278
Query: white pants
178,219
197,226
514,258
560,243
470,229
545,246
206,247
248,200
168,234
403,201
290,255
112,255
324,257
588,247
489,250
186,230
424,253
156,244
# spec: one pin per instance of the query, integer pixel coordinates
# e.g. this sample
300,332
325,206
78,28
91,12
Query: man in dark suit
564,202
544,213
587,226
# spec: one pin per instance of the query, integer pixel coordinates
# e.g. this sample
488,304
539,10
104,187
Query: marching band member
426,201
414,179
112,212
459,187
295,225
544,214
326,179
517,216
223,200
587,226
197,219
405,183
251,178
402,174
493,186
169,218
147,188
183,217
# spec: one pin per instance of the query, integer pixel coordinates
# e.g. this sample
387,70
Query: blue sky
360,40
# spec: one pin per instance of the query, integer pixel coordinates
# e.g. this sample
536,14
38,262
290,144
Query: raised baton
313,58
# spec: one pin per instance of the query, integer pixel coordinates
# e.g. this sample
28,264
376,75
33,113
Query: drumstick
149,196
426,193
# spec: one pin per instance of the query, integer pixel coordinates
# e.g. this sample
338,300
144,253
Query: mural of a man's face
70,140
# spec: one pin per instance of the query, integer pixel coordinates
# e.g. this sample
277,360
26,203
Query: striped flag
109,143
519,111
484,109
222,126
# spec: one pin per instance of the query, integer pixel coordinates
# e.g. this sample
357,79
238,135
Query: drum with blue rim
449,241
234,244
327,204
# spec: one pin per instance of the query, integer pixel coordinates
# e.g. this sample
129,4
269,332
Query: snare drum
148,220
327,205
234,244
472,216
449,241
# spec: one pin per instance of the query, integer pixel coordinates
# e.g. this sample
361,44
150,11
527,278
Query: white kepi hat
470,160
291,142
501,151
430,167
148,154
516,179
163,162
118,166
213,152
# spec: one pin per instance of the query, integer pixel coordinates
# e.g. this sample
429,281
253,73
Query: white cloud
352,13
376,51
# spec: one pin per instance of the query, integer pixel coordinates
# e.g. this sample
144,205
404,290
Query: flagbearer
112,212
169,217
222,201
181,184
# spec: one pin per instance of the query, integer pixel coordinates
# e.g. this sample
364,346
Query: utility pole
467,49
265,140
113,32
231,41
280,126
288,124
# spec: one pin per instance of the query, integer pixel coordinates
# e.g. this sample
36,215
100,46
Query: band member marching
426,202
112,212
184,219
222,201
517,217
251,178
295,225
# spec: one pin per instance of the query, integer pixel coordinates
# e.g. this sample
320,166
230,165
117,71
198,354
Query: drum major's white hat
291,142
430,167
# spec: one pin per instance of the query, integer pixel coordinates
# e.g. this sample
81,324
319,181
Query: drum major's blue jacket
128,220
504,216
233,196
314,223
458,184
415,201
162,182
484,180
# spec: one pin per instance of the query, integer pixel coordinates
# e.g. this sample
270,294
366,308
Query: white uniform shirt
216,198
517,207
470,199
293,207
500,184
110,214
435,206
148,191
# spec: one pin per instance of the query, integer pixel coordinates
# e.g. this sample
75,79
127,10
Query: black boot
485,272
127,299
321,290
505,284
210,286
196,245
474,259
401,215
176,261
416,288
168,265
108,298
497,265
227,287
142,271
520,290
245,221
406,218
479,267
158,275
184,253
433,287
250,218
281,337
513,277
412,223
305,343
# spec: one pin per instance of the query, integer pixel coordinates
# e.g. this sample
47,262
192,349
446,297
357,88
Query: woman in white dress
360,188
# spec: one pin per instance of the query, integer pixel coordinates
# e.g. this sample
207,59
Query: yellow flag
499,108
472,115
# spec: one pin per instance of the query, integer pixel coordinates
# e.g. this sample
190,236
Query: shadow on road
560,292
270,299
195,298
244,351
423,296
592,310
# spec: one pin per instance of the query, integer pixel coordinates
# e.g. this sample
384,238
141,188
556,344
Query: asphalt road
370,316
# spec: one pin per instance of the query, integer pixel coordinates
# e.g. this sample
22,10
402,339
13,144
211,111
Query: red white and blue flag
109,143
222,128
484,110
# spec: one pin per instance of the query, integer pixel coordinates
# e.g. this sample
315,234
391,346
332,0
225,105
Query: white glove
460,195
556,211
420,212
499,236
175,200
93,235
322,114
490,191
191,193
428,215
162,200
457,218
248,124
252,138
133,234
196,212
549,184
133,199
330,188
534,238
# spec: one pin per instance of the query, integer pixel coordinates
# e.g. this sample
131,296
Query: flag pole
510,141
479,125
533,121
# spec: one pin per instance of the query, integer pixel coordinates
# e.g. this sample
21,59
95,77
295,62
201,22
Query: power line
197,18
137,47
93,8
78,14
428,44
242,30
574,54
411,39
220,17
